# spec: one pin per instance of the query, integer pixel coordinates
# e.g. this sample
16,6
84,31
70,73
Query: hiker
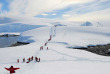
28,60
17,60
45,43
32,58
12,69
41,48
47,48
50,37
39,60
36,59
23,59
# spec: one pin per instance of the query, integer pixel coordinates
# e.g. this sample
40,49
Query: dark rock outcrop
98,49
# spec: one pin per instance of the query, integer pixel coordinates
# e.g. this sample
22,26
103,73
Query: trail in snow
53,34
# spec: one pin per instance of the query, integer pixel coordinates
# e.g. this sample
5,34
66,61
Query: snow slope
58,59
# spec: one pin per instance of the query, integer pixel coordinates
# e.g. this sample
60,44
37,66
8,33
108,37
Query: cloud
0,6
103,0
101,15
44,14
96,11
65,15
85,9
36,7
54,14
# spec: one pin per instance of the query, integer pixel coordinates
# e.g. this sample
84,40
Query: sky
70,10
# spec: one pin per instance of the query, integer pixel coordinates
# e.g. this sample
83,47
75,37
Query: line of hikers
30,59
41,48
36,59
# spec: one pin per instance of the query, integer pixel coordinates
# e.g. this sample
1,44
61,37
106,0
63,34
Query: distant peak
87,24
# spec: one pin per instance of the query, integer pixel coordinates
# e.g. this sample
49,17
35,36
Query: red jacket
12,70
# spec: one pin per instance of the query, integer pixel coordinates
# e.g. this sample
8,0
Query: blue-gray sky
71,10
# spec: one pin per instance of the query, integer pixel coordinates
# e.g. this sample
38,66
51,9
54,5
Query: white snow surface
59,59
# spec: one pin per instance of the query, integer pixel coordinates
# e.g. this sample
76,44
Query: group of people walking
30,59
36,58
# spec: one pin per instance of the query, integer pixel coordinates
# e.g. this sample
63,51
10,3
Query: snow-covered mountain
87,24
4,20
58,59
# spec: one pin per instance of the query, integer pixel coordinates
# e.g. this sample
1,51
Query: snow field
59,59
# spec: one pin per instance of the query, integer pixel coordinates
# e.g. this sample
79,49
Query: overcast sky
71,10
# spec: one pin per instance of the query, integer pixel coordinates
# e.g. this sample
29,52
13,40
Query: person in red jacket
32,58
45,44
28,60
36,59
39,60
23,59
17,60
12,69
41,48
47,48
